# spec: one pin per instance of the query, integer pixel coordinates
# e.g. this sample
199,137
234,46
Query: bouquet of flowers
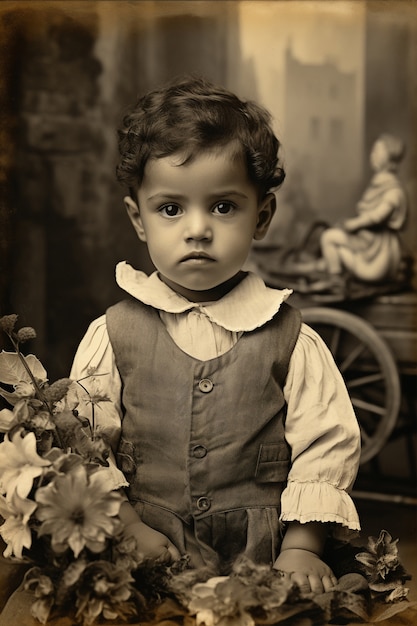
59,511
59,515
256,595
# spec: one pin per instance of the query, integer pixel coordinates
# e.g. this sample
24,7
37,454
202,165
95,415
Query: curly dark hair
395,146
190,116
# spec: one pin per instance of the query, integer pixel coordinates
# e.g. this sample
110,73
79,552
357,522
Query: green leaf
41,608
366,559
10,396
338,603
12,370
384,586
382,613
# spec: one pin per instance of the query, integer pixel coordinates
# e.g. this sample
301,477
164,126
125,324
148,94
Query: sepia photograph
208,312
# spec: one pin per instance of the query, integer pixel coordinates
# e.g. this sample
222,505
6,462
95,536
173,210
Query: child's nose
198,227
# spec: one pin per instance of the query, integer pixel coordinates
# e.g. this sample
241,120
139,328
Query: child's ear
266,212
134,215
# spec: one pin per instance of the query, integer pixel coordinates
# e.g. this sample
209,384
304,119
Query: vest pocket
273,463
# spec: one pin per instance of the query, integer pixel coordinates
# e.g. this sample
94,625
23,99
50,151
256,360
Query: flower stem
38,390
93,417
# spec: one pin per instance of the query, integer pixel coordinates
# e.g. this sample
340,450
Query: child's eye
170,210
223,208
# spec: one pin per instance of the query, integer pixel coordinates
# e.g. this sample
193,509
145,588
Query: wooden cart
372,334
374,343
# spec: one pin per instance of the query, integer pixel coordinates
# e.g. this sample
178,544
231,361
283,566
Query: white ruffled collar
248,306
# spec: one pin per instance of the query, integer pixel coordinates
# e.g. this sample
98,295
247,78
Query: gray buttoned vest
201,438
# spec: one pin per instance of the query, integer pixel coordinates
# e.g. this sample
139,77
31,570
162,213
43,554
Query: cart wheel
368,368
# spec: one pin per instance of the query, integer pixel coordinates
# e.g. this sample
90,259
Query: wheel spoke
334,341
368,406
368,368
364,380
351,357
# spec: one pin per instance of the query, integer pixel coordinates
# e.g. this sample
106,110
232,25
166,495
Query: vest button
205,385
203,504
199,452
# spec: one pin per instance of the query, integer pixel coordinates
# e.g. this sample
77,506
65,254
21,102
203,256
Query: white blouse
321,428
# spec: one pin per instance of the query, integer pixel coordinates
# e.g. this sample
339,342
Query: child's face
379,156
198,220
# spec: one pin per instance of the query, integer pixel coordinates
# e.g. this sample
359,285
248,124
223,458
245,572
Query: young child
368,246
231,426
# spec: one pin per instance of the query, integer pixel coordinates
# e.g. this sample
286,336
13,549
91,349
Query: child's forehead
232,151
207,170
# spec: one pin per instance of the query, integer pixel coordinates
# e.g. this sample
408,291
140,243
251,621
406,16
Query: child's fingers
302,581
316,583
329,582
175,554
313,583
169,554
165,557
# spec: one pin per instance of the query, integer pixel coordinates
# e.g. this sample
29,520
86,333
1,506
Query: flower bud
7,322
25,333
55,392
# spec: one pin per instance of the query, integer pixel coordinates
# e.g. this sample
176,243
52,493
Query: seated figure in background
367,247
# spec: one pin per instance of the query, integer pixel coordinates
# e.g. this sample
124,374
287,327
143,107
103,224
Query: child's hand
350,225
307,570
152,544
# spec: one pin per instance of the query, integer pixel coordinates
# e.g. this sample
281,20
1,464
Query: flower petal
6,419
20,464
15,530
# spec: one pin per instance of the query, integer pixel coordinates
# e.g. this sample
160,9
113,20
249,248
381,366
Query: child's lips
197,257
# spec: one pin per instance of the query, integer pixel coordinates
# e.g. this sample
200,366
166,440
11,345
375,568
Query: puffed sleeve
95,368
323,433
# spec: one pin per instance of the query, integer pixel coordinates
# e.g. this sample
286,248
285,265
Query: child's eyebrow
221,193
164,195
228,192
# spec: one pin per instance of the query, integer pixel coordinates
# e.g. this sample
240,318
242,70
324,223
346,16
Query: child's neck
208,295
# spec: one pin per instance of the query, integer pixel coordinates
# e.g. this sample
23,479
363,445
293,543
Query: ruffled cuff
320,502
115,476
